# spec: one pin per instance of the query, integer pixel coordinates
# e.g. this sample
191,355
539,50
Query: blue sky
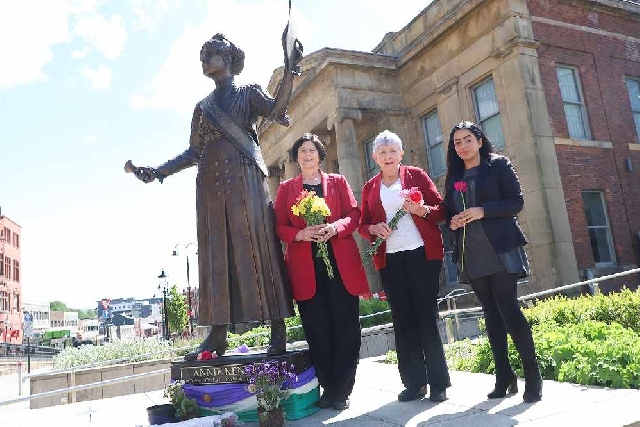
87,85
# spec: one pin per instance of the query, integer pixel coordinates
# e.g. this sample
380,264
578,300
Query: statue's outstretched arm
188,157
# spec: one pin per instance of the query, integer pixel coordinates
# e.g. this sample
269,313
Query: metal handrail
76,388
549,291
22,378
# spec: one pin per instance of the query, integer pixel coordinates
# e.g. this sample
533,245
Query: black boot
215,341
278,342
503,388
532,382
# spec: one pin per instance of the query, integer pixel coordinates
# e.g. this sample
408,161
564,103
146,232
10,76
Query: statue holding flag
241,270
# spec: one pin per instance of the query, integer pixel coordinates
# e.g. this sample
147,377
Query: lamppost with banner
27,332
190,308
165,318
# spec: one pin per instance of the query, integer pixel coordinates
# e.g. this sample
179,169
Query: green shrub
588,353
621,307
371,306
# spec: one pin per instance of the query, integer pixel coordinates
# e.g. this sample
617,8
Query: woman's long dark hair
455,165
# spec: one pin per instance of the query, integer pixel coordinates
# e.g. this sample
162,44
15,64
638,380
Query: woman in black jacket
483,197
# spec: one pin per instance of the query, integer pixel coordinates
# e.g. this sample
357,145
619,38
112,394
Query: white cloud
26,38
147,14
179,82
81,53
99,78
108,35
90,139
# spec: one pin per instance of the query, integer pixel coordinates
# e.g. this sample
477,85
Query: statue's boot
278,342
215,341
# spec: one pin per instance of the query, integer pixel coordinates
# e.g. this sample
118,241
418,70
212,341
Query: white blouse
406,237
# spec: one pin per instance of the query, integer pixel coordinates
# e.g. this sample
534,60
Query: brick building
10,285
554,83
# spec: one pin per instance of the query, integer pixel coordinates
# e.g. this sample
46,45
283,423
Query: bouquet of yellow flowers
313,210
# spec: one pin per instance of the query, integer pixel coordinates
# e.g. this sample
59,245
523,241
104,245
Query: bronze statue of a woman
241,270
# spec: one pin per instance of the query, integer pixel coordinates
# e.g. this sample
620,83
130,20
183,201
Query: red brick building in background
10,285
589,59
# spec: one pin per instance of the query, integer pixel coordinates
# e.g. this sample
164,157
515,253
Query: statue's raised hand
145,174
292,52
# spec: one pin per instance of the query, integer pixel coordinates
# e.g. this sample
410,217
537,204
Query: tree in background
177,310
82,314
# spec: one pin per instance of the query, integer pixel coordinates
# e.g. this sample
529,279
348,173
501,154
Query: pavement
374,404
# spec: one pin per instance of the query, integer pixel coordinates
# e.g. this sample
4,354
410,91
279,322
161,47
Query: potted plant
270,382
185,408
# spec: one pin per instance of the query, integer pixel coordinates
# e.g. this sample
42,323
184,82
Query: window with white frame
574,108
436,156
599,230
487,111
372,167
633,87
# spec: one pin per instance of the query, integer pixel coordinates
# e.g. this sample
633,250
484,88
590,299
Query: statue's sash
234,132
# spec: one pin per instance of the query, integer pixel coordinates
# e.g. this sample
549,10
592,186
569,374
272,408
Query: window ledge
583,142
634,146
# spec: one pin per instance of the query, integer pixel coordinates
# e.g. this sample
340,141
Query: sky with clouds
86,85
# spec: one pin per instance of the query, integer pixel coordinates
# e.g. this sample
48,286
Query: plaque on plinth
230,368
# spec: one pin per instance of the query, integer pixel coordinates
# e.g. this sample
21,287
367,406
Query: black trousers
498,296
411,283
332,326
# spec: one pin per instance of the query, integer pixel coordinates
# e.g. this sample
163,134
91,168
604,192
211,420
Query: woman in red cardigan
409,262
329,307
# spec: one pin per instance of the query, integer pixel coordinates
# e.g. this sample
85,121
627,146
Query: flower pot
161,414
273,418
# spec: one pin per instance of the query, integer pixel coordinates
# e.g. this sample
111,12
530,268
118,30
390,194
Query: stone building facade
554,83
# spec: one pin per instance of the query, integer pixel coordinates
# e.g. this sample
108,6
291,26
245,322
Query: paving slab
374,404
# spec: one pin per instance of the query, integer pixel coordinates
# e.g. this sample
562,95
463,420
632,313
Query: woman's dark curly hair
322,151
455,165
231,53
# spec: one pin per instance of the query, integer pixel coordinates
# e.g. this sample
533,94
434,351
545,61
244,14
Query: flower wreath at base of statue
270,381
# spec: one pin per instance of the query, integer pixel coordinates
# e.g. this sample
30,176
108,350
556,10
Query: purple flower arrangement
270,382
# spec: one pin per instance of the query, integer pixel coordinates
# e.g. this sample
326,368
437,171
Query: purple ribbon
216,395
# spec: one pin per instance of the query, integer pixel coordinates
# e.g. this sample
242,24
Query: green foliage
185,407
82,314
370,306
391,357
58,306
590,340
622,307
177,312
118,349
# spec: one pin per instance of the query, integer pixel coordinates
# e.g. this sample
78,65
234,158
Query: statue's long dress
241,268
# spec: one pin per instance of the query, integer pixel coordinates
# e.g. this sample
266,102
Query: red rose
205,355
414,194
460,186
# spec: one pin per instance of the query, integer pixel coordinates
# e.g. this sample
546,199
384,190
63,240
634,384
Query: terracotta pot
161,414
274,418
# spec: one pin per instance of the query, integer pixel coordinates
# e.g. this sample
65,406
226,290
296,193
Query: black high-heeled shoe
532,390
501,390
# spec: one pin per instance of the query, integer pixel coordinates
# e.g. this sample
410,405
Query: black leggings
498,295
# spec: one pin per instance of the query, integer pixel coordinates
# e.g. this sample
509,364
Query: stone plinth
230,368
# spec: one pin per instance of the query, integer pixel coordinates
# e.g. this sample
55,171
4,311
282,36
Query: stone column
291,169
274,180
350,158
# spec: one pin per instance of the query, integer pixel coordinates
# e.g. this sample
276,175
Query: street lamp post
165,319
175,253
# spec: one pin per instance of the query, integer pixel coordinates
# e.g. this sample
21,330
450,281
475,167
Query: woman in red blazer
329,307
409,262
